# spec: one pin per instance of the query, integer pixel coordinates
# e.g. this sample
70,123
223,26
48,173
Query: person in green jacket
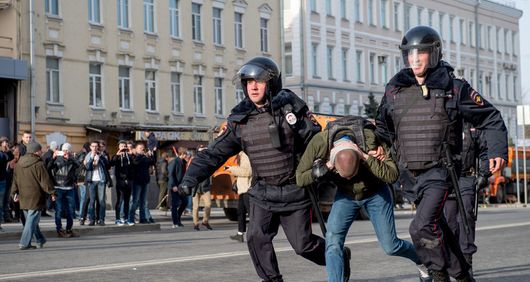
361,181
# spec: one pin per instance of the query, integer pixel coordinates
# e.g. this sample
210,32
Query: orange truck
503,185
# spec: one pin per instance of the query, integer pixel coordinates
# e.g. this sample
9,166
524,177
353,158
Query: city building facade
113,69
338,53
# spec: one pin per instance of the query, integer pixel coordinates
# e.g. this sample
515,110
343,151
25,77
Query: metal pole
32,67
524,157
517,165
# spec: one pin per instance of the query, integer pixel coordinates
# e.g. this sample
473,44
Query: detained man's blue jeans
139,198
65,201
380,210
31,228
97,191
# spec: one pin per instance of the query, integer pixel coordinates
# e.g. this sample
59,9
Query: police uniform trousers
454,219
432,238
263,227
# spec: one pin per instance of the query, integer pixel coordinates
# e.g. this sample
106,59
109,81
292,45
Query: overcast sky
524,38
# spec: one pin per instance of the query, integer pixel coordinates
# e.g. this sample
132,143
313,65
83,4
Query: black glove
482,181
319,169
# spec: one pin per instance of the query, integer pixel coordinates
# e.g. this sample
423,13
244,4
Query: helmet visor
417,55
251,72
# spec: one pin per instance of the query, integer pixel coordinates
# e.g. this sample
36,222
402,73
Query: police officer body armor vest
421,126
274,165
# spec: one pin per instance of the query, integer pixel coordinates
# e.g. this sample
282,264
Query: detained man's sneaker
346,256
30,247
119,222
424,273
101,223
196,228
81,222
207,225
238,237
130,223
91,223
40,245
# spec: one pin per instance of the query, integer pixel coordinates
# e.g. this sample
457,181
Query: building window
330,61
343,9
472,78
488,86
218,89
240,95
480,37
196,22
197,94
498,39
96,99
123,13
515,88
344,64
462,31
124,81
52,7
396,16
506,42
407,16
264,35
507,85
420,11
357,10
499,86
441,24
372,68
150,90
314,59
397,64
328,8
371,12
174,27
312,5
430,17
94,11
451,27
488,38
288,59
359,66
149,16
480,83
471,33
175,93
514,43
238,29
52,81
217,26
383,13
383,69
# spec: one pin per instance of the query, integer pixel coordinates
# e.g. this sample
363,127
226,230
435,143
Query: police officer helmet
422,39
261,69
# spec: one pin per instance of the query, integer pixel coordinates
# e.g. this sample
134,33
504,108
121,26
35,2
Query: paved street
185,255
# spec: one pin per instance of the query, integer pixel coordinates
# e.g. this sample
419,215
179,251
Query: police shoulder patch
476,98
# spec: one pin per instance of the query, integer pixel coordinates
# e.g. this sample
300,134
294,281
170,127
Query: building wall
75,42
350,27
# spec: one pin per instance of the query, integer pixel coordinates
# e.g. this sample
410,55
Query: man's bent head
347,163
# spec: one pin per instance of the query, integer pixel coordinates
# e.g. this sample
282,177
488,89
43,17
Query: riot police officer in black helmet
272,126
422,113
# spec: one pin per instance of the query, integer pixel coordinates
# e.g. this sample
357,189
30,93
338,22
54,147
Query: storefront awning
13,68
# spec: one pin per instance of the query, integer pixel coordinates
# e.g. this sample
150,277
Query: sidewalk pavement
47,226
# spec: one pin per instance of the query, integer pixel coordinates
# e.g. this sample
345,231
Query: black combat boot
440,276
469,260
466,277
